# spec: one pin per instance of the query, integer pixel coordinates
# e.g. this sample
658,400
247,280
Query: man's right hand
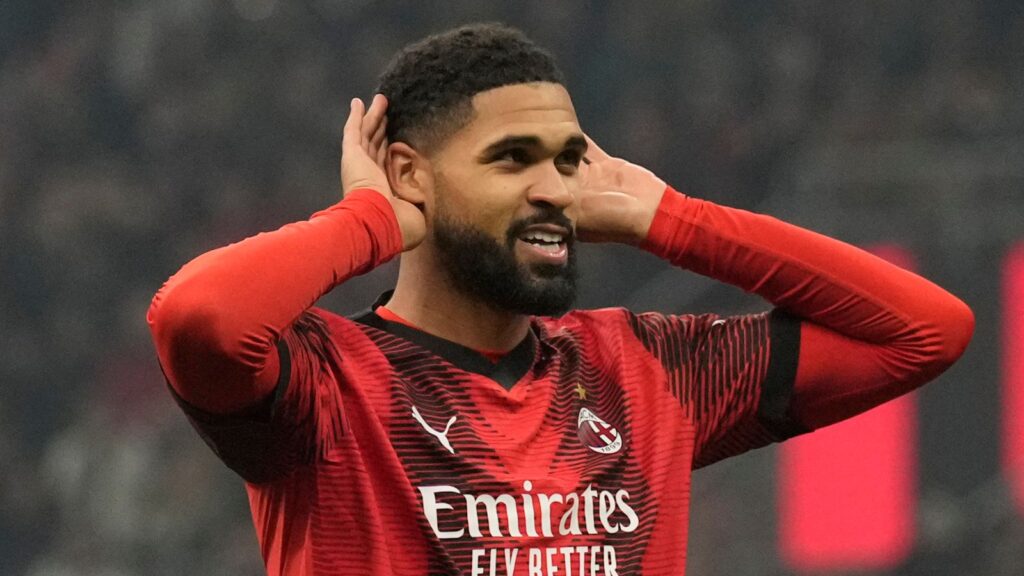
363,151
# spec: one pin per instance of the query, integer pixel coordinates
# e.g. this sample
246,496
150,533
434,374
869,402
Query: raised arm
871,330
216,323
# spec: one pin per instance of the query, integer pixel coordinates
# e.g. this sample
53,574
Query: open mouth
548,244
545,240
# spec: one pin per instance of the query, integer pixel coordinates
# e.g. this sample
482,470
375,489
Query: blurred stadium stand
136,134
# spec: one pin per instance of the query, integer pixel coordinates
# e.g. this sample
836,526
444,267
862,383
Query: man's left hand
618,199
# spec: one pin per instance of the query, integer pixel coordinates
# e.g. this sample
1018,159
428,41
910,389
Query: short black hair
430,84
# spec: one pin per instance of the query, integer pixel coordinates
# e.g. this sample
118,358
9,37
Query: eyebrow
575,141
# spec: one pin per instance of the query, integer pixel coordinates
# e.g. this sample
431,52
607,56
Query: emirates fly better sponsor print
538,515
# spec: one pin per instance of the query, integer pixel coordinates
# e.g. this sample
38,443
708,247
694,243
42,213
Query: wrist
665,235
646,219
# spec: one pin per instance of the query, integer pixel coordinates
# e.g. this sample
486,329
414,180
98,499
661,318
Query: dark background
135,135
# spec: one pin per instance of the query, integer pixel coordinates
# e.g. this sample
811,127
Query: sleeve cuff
666,236
378,218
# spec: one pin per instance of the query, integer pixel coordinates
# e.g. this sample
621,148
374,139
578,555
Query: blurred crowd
135,135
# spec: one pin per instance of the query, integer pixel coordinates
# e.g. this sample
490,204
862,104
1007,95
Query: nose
552,189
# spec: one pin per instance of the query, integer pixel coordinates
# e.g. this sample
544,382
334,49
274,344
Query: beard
487,270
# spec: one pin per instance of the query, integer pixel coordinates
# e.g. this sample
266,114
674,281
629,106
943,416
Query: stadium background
136,134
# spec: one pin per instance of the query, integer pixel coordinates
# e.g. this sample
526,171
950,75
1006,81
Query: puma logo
442,437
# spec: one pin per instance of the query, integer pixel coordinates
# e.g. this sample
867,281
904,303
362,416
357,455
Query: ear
409,173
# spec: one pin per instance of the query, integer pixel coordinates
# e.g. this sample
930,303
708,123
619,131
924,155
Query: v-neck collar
507,371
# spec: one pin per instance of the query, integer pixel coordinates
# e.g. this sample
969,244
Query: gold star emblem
581,391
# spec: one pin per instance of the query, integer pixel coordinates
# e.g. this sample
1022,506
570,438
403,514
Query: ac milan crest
597,434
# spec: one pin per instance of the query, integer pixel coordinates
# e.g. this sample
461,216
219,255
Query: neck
446,312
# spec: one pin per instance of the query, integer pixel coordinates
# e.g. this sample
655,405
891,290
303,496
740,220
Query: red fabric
338,469
390,316
873,331
492,355
217,321
343,478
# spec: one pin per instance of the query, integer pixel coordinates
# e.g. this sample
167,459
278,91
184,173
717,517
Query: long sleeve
871,331
217,322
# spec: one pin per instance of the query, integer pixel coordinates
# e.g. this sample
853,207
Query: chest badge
597,434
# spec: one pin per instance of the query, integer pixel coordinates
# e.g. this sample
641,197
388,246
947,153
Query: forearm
217,321
913,329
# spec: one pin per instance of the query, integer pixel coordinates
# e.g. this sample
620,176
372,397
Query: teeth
544,237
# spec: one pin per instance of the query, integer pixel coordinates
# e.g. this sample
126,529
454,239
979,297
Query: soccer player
469,422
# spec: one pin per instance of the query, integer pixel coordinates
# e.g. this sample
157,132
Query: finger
594,152
378,143
379,134
350,134
373,117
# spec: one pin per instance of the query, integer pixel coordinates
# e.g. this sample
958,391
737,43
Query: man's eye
570,159
515,155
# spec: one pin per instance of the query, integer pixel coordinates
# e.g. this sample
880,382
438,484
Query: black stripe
284,376
777,390
506,372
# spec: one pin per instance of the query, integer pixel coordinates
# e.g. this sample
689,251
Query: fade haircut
430,84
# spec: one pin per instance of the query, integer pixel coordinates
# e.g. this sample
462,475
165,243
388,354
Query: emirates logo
597,434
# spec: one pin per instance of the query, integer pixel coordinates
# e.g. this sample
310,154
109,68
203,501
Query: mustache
545,216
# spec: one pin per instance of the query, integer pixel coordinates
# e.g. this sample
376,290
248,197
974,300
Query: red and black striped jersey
369,447
386,450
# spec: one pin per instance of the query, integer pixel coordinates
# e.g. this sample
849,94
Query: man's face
505,199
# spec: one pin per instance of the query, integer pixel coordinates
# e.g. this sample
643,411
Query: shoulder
653,330
597,326
587,320
329,333
618,318
323,323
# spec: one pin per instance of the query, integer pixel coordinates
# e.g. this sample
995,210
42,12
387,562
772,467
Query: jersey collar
535,350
